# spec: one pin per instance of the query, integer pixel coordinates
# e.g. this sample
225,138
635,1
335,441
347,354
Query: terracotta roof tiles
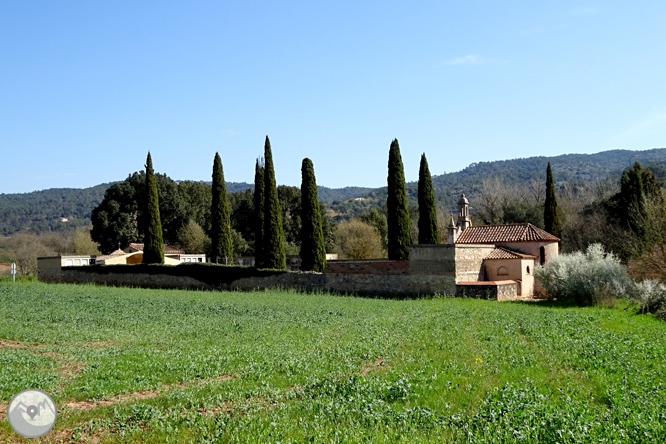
503,253
490,234
168,249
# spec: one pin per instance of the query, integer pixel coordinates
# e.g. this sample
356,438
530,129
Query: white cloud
649,126
470,59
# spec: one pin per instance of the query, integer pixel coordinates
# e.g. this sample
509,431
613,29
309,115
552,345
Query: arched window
528,269
542,255
502,271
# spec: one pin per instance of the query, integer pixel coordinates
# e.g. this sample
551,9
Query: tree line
269,222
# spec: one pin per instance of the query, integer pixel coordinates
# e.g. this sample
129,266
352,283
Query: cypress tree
399,225
551,213
259,214
153,244
428,230
221,246
633,199
274,248
313,249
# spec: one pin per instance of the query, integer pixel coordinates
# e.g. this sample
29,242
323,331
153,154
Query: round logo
32,413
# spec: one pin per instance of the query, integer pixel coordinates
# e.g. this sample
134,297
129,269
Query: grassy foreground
139,365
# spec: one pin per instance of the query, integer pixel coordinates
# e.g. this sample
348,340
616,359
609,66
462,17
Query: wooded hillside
42,210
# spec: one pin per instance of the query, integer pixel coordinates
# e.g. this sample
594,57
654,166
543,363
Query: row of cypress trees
399,224
269,234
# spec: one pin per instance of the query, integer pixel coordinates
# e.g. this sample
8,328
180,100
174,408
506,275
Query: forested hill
566,168
43,210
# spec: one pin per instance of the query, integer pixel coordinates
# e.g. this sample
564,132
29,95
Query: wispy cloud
470,59
647,126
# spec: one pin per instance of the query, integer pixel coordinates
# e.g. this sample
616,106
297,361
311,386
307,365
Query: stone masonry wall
491,290
57,275
432,259
380,267
469,262
308,281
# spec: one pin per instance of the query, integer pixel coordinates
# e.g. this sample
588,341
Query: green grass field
135,365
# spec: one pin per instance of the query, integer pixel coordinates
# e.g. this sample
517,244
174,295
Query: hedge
209,273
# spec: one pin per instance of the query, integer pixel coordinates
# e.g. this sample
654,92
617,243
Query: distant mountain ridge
44,210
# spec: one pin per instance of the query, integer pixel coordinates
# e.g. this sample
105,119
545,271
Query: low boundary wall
372,266
403,284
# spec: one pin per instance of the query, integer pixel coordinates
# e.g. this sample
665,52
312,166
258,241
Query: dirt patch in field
145,394
239,407
371,366
11,343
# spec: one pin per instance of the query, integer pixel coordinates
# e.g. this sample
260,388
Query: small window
542,255
528,269
502,271
200,260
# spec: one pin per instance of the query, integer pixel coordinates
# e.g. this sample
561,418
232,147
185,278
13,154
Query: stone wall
391,284
380,267
491,290
432,259
307,281
469,262
66,275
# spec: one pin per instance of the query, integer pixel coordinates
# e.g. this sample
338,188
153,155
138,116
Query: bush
584,279
650,296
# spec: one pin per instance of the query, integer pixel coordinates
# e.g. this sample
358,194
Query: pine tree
153,245
399,225
259,214
551,213
221,246
428,230
313,249
274,248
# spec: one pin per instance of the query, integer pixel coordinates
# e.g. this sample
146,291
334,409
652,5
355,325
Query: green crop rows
280,366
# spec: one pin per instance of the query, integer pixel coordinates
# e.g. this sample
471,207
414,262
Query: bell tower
464,221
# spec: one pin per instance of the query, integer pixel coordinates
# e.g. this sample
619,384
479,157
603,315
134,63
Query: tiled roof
168,249
490,234
503,253
116,253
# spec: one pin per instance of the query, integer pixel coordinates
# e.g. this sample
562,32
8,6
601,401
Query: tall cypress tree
153,243
428,230
221,246
274,248
551,213
399,225
313,249
633,199
259,214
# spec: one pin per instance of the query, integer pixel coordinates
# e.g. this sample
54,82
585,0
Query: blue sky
87,88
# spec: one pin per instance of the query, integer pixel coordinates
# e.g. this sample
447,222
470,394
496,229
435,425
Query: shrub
650,295
584,278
